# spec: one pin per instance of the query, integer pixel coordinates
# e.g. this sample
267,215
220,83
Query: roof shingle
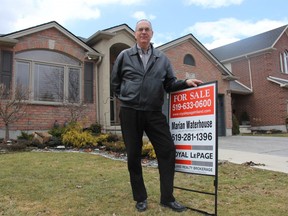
249,45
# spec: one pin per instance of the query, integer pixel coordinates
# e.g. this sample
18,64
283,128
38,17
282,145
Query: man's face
143,34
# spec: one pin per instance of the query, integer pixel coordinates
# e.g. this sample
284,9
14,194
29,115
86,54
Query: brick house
261,91
60,68
56,67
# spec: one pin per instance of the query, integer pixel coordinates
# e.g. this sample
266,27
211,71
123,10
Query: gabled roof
225,72
248,46
282,82
52,24
108,33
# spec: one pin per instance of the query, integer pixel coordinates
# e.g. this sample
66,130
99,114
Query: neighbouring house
260,94
191,59
61,69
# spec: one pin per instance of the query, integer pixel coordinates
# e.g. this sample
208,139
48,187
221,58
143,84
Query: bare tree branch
76,110
12,107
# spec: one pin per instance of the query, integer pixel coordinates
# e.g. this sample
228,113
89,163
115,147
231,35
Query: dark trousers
133,124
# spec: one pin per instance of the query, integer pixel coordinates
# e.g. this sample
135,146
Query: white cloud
213,3
142,15
20,14
138,15
162,38
228,30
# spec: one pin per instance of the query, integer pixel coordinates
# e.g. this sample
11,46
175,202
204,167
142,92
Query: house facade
260,94
58,70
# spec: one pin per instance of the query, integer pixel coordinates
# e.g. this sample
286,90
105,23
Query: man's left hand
193,82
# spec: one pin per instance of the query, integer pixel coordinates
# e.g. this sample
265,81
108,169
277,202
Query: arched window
189,60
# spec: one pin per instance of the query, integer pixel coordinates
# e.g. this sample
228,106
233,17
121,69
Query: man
140,77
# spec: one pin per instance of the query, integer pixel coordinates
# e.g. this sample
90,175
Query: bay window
50,76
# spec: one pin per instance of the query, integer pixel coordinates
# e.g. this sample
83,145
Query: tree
235,127
76,110
12,106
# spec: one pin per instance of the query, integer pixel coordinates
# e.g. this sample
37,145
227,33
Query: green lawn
82,184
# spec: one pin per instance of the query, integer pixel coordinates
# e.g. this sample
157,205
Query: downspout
250,73
97,89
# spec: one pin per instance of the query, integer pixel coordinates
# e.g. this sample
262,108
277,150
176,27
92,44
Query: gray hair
143,20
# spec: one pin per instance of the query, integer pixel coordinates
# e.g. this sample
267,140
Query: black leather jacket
143,89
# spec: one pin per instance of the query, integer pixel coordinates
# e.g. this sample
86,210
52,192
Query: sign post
193,126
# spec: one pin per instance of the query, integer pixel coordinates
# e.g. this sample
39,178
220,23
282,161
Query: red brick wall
241,70
40,40
204,69
42,117
267,105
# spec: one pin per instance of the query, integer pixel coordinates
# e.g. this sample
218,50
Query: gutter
250,73
97,63
8,41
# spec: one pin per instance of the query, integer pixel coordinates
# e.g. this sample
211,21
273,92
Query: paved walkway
272,152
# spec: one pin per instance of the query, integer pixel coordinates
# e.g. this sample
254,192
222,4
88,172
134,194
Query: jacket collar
134,51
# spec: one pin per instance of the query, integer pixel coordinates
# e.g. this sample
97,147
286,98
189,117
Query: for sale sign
192,120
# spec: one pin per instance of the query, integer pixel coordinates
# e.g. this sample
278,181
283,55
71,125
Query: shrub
148,150
54,141
15,147
113,137
25,136
57,131
118,146
75,136
100,139
275,131
95,128
235,127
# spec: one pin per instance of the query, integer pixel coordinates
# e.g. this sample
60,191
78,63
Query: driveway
270,152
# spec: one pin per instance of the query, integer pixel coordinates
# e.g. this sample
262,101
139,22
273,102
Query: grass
83,184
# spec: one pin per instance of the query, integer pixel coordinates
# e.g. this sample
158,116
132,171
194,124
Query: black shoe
175,206
141,206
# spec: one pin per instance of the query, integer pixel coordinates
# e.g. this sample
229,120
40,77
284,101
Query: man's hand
193,82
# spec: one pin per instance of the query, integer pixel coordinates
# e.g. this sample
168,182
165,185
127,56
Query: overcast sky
213,22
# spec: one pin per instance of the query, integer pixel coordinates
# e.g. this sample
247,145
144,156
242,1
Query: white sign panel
192,120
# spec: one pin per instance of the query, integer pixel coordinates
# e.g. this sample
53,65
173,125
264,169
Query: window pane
285,58
88,82
189,60
6,70
74,85
47,56
48,83
22,75
22,78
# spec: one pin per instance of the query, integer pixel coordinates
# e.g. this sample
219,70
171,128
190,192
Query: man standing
140,77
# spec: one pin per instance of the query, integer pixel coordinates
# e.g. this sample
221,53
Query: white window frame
284,62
